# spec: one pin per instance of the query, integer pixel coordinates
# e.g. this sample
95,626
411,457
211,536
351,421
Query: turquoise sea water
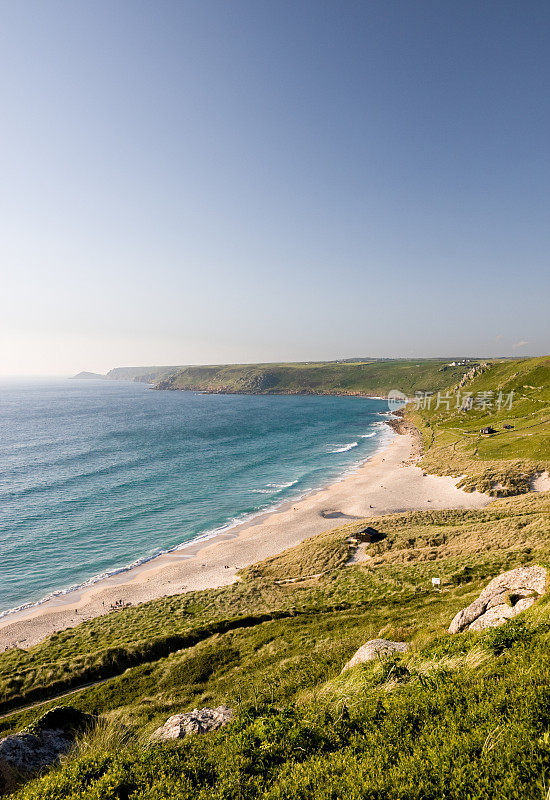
96,475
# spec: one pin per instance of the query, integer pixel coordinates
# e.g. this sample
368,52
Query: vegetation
512,398
417,546
475,730
404,727
140,374
458,716
360,377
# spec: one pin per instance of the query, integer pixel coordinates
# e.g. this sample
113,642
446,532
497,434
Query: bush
508,635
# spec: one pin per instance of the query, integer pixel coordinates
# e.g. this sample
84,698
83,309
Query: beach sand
387,482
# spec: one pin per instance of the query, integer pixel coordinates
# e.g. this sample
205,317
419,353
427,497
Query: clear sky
241,180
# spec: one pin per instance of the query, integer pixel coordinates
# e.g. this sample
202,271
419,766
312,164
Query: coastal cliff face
374,379
364,377
136,374
88,376
140,374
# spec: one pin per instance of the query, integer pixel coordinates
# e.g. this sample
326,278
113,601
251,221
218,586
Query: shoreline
387,482
157,387
204,538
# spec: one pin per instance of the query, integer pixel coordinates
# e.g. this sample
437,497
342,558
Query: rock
25,753
88,376
197,721
503,598
376,648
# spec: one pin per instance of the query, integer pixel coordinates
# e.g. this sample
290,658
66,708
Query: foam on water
274,488
344,448
99,477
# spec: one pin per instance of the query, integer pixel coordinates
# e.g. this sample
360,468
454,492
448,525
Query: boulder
376,648
24,754
200,720
503,598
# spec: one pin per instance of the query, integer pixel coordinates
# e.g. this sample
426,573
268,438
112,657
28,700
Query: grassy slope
463,716
374,378
470,724
505,461
140,374
282,675
107,645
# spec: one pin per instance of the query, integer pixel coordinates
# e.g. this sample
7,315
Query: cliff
375,378
140,374
87,376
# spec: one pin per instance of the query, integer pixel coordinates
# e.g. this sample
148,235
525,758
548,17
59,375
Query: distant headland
87,376
358,376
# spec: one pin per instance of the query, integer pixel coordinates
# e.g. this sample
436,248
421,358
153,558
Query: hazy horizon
213,183
251,363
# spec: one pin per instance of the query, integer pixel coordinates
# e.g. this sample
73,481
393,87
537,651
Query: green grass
506,461
461,717
141,374
417,546
301,727
368,378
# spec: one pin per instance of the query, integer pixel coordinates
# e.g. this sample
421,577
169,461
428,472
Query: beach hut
370,535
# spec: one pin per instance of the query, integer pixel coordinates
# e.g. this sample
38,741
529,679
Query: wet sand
387,482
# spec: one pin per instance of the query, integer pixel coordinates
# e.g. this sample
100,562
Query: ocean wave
368,435
206,536
275,488
109,573
344,448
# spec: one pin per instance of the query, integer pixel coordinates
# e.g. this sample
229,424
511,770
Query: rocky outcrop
201,720
376,648
88,376
399,424
24,754
476,369
503,598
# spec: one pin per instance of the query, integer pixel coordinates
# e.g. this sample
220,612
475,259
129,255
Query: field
503,462
463,716
274,652
369,378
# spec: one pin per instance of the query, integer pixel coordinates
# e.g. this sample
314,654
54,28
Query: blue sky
213,181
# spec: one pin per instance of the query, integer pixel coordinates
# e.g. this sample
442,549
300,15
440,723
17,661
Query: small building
488,429
370,535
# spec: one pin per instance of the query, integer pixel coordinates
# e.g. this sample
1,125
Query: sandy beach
387,482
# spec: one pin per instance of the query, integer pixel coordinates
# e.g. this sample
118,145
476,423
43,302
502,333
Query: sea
97,476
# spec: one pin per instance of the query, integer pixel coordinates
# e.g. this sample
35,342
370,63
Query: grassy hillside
464,717
463,712
467,719
374,378
503,462
140,374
